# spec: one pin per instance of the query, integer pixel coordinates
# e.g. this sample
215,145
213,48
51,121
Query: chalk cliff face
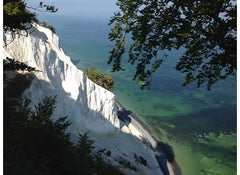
88,106
79,97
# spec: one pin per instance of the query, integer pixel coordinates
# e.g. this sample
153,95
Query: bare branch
37,9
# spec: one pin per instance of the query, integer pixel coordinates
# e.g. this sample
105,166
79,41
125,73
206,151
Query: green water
199,125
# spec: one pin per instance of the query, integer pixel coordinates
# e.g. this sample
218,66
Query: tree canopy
17,17
10,64
205,29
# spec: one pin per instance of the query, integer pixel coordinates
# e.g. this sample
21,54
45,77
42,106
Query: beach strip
140,130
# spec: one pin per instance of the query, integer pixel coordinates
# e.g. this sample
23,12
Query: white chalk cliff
88,106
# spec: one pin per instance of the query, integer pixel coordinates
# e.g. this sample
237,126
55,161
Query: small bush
51,28
44,24
108,153
97,77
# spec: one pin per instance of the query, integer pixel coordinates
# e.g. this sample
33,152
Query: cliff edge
88,106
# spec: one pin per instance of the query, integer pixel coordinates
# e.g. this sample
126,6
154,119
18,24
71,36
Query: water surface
199,125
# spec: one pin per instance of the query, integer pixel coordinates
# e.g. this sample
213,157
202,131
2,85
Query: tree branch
36,9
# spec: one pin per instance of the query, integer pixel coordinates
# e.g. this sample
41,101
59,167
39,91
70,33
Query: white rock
88,106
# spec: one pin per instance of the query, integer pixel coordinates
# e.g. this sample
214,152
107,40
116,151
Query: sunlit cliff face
88,106
62,79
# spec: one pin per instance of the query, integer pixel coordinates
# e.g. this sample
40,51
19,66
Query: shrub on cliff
52,28
44,24
97,77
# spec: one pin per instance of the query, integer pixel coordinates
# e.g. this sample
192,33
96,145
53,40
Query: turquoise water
199,125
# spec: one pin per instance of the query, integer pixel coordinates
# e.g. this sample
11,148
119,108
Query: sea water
199,125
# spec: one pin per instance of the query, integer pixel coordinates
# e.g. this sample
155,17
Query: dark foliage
140,159
17,17
21,81
108,153
126,164
206,29
48,8
51,28
16,86
34,144
9,64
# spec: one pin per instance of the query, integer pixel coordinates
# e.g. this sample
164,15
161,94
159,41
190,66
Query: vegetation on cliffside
97,77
